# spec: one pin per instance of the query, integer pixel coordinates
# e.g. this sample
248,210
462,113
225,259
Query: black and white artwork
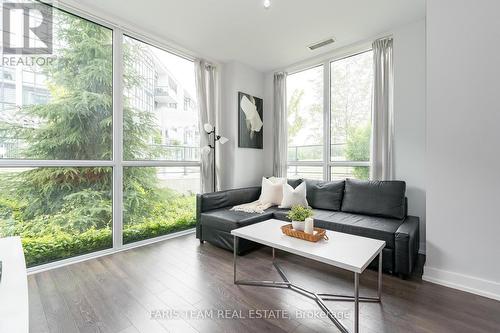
250,119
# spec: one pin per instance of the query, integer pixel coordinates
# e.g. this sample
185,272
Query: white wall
463,145
242,166
409,116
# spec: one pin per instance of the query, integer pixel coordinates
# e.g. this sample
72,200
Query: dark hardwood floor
122,292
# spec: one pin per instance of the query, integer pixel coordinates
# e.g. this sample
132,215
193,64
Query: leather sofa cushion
325,195
294,182
361,225
281,214
376,198
225,219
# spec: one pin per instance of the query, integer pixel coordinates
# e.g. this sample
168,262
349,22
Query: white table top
13,287
350,252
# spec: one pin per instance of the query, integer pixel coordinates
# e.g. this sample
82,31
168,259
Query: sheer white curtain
383,113
280,126
206,88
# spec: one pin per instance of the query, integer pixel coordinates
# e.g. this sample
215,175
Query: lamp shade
206,150
208,128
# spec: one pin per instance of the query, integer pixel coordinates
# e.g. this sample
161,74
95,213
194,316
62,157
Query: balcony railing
315,152
161,91
307,162
177,153
314,155
12,149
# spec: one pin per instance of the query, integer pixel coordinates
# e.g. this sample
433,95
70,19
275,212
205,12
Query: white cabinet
14,306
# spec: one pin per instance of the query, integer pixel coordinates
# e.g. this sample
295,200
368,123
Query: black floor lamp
210,129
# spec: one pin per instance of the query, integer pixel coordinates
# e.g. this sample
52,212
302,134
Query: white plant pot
298,225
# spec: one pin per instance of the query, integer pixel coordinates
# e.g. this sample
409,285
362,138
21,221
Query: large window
305,115
351,116
156,86
61,112
60,107
164,205
341,149
88,165
160,128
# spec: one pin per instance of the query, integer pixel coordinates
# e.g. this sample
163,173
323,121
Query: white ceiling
244,31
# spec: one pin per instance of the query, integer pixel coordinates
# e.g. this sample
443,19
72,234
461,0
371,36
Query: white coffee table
349,252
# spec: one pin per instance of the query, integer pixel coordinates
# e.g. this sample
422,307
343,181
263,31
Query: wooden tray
318,235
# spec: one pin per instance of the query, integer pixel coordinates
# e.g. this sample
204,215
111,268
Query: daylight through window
342,148
66,170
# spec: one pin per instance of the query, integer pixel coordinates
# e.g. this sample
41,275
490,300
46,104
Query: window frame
327,164
117,163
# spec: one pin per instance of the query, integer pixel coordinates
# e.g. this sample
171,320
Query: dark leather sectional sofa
375,209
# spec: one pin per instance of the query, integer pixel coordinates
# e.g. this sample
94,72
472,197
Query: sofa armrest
198,216
407,245
221,199
216,200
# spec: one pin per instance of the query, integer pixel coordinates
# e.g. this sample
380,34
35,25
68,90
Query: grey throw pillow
325,195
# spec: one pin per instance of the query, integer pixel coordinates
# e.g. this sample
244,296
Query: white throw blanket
252,207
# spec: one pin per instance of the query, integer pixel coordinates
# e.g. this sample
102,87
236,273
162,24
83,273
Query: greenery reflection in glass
158,201
58,212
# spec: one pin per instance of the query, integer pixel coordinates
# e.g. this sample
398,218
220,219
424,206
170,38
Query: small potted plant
298,214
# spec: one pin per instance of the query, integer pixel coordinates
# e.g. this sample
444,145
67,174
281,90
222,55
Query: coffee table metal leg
319,298
356,302
235,249
280,272
330,315
379,289
348,298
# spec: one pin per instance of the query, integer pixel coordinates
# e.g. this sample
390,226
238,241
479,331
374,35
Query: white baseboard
471,284
421,250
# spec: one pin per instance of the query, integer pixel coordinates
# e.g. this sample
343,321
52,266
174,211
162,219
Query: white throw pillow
292,197
272,191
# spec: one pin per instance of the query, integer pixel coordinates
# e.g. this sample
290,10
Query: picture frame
250,121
